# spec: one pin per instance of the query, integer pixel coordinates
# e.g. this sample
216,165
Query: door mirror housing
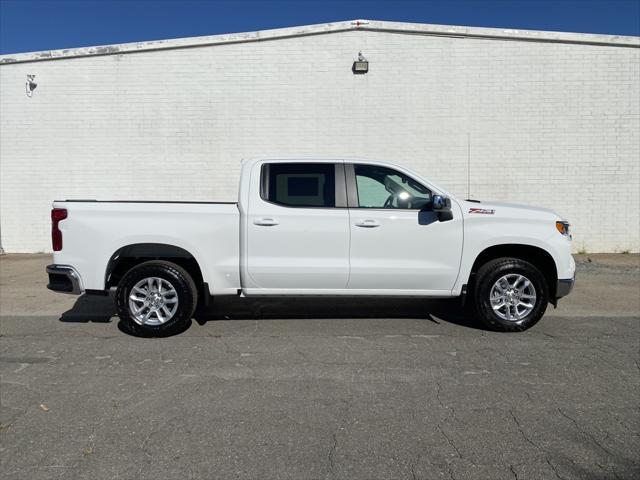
440,204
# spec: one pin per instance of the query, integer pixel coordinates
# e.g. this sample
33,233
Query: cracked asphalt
321,388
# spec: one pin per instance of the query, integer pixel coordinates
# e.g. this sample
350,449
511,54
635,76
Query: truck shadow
102,309
91,308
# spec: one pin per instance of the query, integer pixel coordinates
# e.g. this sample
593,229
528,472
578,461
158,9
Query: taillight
57,214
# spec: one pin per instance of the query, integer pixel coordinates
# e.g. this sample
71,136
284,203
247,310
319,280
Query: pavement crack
227,348
606,470
20,413
536,446
331,456
615,474
143,445
524,435
414,476
513,470
301,352
450,413
624,425
332,452
449,441
555,470
585,433
438,389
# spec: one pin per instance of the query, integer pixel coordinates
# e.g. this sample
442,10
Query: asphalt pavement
321,388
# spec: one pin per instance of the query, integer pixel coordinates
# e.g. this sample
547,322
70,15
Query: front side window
381,187
299,184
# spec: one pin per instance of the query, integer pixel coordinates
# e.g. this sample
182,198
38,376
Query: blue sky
31,25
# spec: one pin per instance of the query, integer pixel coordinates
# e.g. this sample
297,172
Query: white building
545,118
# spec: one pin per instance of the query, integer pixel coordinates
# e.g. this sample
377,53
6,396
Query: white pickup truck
313,227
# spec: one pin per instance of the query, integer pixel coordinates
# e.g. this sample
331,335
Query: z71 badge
485,211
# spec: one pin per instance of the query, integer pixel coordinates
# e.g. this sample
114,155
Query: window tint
380,187
299,184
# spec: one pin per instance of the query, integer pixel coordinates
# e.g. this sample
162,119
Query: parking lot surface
321,388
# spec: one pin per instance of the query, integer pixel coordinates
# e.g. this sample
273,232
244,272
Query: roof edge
368,25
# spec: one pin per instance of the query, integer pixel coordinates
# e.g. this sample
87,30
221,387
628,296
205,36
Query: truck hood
480,208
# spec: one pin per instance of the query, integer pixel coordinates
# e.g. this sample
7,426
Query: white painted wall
550,124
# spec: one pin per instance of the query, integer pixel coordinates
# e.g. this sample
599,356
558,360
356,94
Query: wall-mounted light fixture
30,85
361,65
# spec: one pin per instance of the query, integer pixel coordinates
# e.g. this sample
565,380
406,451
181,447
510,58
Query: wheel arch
127,257
537,256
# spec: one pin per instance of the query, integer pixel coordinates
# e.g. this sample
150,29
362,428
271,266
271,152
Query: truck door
396,243
297,227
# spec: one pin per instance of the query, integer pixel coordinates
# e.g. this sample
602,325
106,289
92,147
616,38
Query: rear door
397,244
298,226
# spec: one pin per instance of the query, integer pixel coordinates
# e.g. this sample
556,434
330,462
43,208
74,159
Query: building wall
549,124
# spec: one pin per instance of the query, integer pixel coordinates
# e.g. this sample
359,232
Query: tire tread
157,268
487,275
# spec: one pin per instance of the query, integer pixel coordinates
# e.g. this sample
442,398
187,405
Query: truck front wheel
511,295
156,298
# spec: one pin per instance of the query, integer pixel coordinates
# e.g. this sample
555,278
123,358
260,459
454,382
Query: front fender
542,234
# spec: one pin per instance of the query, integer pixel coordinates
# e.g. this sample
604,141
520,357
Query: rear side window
299,184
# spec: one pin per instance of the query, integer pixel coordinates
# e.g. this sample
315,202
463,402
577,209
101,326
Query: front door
398,245
298,227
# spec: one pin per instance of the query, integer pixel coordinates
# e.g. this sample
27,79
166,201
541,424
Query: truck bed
81,200
95,230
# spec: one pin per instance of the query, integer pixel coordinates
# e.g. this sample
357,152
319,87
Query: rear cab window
300,184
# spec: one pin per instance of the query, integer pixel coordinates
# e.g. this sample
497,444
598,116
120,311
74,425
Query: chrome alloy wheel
513,297
153,301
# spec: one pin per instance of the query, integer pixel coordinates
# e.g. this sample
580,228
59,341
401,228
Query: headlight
563,228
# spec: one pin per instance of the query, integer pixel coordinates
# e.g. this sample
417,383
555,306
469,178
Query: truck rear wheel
511,295
156,298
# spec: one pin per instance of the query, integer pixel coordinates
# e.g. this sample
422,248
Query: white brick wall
551,124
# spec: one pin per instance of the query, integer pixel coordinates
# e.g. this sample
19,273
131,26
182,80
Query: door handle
266,222
369,223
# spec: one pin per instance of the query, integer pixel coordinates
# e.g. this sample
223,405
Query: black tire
489,274
181,281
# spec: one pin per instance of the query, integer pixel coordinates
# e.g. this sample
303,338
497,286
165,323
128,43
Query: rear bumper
64,279
564,287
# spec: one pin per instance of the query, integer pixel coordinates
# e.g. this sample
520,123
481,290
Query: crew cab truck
313,227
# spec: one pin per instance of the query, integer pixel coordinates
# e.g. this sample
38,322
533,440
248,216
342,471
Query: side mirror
440,204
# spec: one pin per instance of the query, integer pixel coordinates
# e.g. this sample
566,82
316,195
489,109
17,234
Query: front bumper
564,287
64,279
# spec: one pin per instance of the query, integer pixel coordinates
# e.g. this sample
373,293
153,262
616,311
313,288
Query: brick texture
549,124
